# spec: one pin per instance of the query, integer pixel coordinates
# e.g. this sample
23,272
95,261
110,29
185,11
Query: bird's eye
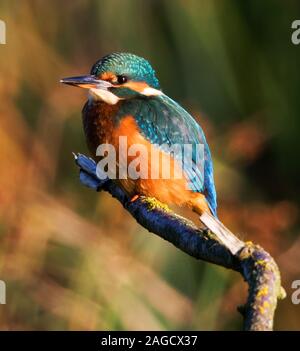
121,79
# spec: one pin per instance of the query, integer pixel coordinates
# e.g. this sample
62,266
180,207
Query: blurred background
74,259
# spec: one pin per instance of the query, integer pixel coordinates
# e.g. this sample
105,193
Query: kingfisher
125,100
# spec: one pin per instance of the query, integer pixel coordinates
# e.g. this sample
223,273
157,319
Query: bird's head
118,76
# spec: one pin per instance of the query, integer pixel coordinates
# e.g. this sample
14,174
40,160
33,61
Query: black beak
87,82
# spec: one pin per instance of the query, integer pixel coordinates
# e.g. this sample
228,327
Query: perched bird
125,100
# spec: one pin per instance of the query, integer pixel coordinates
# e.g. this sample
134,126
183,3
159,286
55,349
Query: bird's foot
134,198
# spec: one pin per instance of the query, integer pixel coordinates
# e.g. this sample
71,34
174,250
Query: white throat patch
148,91
103,95
112,99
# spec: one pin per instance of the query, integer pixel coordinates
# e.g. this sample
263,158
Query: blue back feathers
164,122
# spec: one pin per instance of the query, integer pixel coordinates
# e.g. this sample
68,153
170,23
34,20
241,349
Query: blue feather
162,121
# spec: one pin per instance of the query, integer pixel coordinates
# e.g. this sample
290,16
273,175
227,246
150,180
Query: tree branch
255,265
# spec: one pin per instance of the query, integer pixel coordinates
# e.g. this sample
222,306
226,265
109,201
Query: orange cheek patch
136,86
109,76
86,86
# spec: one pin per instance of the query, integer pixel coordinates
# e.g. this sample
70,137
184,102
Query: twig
256,266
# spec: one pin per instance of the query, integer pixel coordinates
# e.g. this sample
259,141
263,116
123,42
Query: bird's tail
223,233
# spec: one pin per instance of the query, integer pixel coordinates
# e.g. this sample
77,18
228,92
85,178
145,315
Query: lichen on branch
256,266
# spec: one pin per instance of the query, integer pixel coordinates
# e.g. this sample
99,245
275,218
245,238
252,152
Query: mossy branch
255,265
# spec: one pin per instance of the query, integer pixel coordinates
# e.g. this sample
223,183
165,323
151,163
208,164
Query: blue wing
164,122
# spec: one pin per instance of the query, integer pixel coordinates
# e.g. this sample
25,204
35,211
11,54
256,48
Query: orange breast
98,124
171,190
99,129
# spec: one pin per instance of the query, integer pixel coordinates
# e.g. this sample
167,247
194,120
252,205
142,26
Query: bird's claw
134,198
